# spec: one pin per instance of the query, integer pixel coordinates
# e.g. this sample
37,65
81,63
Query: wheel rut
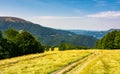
82,62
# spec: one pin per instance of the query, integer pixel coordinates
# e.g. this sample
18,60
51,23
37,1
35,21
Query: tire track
96,56
69,67
83,62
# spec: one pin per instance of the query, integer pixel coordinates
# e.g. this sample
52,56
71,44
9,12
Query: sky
66,14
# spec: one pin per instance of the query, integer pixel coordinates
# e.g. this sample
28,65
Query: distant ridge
47,36
97,34
12,19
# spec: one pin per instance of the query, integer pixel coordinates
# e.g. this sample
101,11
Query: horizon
93,15
58,28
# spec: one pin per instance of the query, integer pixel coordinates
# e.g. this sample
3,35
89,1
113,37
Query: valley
59,36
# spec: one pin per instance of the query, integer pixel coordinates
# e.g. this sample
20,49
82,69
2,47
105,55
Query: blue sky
66,14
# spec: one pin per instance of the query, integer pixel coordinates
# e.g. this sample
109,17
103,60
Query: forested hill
48,36
109,41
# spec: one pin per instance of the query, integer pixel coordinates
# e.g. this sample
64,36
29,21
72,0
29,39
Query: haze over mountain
47,36
96,34
66,14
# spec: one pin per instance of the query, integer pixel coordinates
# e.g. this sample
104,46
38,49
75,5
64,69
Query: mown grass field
107,63
67,62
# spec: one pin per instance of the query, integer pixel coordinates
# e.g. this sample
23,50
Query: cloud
57,17
107,14
76,22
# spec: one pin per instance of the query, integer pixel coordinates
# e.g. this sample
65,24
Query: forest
19,42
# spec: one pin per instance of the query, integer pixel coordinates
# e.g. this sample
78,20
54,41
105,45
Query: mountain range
96,34
47,36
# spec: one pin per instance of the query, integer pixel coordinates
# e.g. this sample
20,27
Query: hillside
64,62
96,34
47,36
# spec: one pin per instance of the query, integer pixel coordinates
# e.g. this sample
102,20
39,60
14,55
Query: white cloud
68,22
57,17
107,14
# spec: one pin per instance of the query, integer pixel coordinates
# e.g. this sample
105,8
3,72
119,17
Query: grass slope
107,63
40,63
68,62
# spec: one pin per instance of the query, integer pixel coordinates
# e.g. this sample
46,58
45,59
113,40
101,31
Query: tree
10,34
21,43
98,44
0,34
66,46
28,43
109,41
117,40
4,52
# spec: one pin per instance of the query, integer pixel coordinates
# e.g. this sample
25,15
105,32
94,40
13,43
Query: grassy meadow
107,63
67,62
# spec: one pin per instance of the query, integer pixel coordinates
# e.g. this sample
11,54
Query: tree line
15,43
109,41
19,42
